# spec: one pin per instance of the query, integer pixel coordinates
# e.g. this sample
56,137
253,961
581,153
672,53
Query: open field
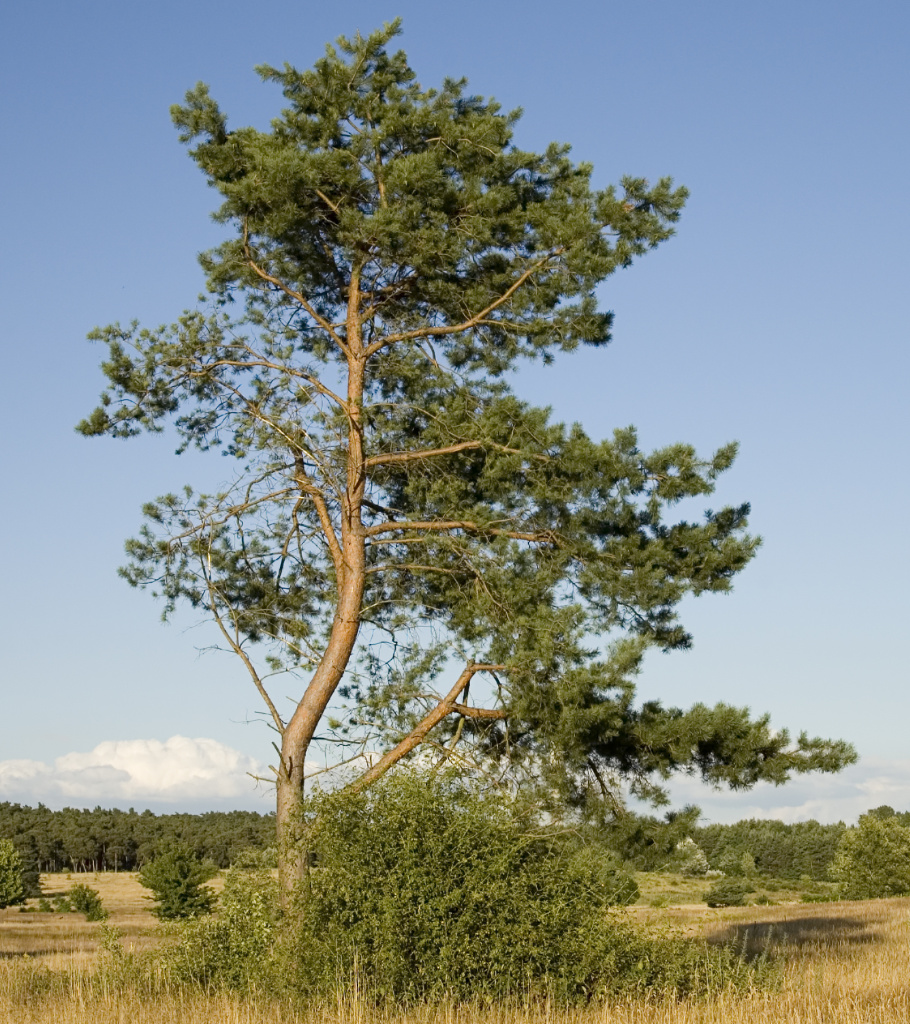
66,941
846,963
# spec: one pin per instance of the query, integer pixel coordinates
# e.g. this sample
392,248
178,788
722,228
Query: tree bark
351,581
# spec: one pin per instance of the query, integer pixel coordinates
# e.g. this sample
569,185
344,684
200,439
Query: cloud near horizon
826,798
200,773
179,770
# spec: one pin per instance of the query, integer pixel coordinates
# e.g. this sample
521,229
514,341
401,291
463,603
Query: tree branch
297,296
238,649
441,525
489,713
465,325
394,457
325,520
416,736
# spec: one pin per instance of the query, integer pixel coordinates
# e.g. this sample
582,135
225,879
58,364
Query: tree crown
398,512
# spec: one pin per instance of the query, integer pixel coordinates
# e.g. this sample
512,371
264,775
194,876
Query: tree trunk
292,857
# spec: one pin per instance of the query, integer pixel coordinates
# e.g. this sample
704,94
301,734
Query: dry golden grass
63,941
847,963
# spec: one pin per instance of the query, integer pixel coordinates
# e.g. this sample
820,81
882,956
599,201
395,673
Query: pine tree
176,880
445,567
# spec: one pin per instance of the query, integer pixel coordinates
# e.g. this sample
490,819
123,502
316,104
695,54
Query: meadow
844,963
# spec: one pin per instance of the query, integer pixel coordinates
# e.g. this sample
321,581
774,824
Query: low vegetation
427,900
844,963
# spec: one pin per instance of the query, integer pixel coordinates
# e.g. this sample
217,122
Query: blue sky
776,317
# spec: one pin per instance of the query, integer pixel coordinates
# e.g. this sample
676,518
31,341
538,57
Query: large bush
12,888
728,892
873,859
424,889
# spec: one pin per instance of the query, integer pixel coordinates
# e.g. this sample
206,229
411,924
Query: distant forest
113,840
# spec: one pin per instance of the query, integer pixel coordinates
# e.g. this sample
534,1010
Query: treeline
75,839
804,849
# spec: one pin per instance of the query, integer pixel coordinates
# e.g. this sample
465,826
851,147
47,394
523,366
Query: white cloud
827,798
183,772
177,771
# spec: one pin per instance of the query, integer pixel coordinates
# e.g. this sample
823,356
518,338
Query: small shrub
87,901
79,899
236,947
176,880
728,892
829,896
12,887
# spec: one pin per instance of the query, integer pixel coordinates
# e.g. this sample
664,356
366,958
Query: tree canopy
444,566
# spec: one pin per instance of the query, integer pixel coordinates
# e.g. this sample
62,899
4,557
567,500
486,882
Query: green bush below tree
425,890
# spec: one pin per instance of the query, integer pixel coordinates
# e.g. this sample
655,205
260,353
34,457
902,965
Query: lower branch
416,736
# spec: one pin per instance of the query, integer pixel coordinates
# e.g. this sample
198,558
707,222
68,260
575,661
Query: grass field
846,963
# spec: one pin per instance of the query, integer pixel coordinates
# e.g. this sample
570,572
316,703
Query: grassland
846,963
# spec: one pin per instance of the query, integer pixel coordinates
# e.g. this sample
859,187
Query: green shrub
873,859
79,899
728,892
425,890
176,880
85,900
236,947
12,887
254,859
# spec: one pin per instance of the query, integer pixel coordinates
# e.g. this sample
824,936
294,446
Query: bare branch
325,520
429,453
237,648
490,713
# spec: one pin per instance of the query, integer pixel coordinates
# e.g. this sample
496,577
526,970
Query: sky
775,317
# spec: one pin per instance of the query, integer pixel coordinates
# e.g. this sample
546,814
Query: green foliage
252,859
115,840
646,842
728,892
425,889
85,900
12,888
79,899
776,849
176,880
236,947
391,255
689,859
873,859
27,848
